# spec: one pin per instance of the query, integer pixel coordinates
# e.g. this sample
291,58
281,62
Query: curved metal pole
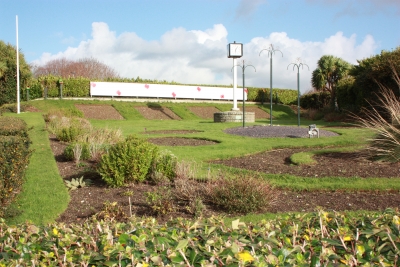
243,67
271,51
298,65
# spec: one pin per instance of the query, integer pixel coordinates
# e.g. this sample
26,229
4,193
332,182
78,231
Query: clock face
235,50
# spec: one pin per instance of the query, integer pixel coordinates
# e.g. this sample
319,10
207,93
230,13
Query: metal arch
271,51
298,65
243,67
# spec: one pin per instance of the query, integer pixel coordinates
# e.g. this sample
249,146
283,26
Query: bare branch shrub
242,194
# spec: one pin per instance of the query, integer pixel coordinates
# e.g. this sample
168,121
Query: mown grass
227,146
44,195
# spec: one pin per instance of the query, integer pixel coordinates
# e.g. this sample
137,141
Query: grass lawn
45,196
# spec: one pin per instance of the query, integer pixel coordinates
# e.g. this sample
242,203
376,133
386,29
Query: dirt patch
180,141
99,112
204,112
349,164
151,113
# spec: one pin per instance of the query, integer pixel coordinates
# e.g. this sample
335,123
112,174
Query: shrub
314,114
242,194
127,161
164,164
77,151
71,129
386,144
111,211
161,200
14,159
13,126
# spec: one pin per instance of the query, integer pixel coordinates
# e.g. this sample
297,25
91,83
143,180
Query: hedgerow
14,159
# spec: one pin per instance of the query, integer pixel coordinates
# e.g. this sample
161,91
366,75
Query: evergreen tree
8,73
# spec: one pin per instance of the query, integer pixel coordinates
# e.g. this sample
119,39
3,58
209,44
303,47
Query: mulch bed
180,141
99,112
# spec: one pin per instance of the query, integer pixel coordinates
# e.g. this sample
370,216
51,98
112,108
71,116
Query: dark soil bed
87,201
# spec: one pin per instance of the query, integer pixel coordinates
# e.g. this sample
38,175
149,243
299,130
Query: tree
329,72
87,67
373,72
8,73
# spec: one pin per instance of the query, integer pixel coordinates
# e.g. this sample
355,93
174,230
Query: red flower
198,89
173,94
222,96
93,85
118,92
146,86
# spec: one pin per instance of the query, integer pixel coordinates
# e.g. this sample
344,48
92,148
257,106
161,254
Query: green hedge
14,159
284,96
316,100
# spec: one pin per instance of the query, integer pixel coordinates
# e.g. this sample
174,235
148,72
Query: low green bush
127,161
242,194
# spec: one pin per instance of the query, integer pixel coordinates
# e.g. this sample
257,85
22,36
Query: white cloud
199,57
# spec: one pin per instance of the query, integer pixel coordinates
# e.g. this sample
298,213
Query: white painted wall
164,91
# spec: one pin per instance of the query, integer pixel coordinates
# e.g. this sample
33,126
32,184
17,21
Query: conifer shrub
128,161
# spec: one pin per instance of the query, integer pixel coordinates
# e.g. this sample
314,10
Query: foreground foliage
313,239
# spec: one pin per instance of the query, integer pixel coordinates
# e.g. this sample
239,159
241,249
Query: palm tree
325,77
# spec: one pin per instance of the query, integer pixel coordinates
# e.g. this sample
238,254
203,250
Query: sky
186,40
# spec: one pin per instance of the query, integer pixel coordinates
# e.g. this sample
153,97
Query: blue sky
185,40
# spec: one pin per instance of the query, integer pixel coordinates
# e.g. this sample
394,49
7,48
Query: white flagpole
18,106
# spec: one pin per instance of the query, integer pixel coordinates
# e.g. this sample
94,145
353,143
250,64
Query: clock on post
235,50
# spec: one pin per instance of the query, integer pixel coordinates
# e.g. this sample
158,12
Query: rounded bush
127,161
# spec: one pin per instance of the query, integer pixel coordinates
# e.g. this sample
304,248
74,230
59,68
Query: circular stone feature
180,141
